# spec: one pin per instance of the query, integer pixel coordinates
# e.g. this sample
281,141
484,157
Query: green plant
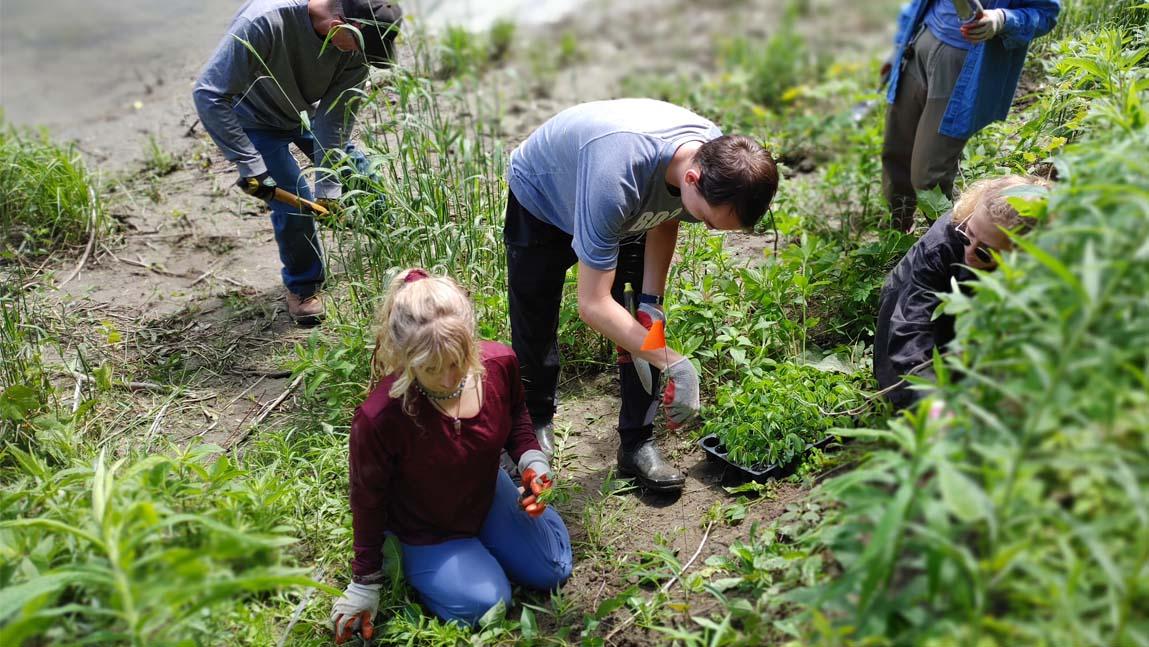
158,161
770,416
569,49
24,385
500,38
47,197
772,70
1025,508
133,551
1090,15
461,53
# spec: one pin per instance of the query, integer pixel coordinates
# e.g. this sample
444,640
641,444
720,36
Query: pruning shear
641,366
287,197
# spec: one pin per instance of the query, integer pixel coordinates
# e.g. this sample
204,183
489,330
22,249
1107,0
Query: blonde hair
427,322
988,194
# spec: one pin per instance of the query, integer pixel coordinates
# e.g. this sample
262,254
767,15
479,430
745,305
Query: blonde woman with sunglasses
970,237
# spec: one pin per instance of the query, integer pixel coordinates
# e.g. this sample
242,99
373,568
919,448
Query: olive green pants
914,155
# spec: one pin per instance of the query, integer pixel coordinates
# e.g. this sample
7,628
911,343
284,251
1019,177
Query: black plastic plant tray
716,451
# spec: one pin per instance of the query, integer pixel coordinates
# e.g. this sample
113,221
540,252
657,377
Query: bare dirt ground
190,279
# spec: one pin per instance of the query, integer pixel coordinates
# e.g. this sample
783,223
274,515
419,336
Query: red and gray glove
536,479
987,24
648,313
353,612
680,399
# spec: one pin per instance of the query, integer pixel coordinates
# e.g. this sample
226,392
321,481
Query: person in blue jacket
949,79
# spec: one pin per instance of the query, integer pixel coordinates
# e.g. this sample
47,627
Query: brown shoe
305,311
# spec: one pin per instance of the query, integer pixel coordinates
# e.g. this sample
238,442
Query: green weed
47,197
158,161
136,550
770,415
500,38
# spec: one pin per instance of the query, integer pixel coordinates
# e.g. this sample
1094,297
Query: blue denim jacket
984,90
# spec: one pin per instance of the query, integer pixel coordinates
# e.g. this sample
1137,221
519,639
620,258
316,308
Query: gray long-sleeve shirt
270,67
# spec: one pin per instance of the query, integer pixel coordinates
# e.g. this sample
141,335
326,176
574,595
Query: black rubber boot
647,466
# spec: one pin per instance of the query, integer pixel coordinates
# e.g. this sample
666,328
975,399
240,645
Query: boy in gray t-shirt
604,185
279,59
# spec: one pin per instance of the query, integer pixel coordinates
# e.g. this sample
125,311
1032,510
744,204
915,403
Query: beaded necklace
436,398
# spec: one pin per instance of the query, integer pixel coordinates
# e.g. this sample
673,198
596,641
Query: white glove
681,395
354,610
985,27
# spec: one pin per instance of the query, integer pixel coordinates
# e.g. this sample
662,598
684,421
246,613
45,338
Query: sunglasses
984,253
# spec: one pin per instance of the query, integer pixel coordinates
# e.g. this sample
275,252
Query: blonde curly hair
988,194
425,322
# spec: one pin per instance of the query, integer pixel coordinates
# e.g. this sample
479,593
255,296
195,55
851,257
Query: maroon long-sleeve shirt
416,477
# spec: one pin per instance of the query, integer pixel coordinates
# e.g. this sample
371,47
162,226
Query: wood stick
201,278
32,279
256,371
91,237
266,412
155,425
299,610
669,583
131,386
215,423
207,273
151,267
76,396
290,198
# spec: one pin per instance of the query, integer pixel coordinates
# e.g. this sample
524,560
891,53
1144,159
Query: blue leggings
462,579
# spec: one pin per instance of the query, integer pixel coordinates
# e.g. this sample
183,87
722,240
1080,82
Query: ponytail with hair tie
415,275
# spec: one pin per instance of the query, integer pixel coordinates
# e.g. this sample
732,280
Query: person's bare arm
660,243
601,312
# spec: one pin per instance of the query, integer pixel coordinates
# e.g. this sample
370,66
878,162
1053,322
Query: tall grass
47,196
1020,516
142,550
24,383
774,68
1078,16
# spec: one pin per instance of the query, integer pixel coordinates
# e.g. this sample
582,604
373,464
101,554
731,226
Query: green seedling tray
716,452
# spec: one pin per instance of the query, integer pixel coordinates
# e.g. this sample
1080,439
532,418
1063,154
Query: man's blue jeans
299,247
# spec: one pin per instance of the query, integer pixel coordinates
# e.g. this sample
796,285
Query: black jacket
907,330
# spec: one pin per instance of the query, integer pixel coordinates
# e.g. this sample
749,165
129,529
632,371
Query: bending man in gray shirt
279,60
604,185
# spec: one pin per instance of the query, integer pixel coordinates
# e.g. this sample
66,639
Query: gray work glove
354,610
681,395
648,313
984,27
536,473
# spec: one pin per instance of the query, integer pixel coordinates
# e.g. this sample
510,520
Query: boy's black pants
538,257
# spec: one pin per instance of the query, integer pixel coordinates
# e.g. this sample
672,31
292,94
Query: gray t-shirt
269,87
598,171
